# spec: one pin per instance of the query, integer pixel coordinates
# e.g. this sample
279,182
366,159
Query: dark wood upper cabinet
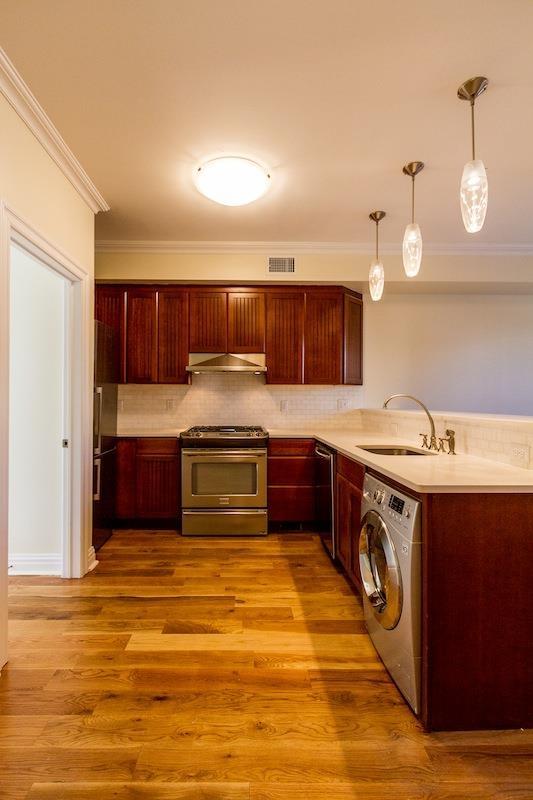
141,336
246,322
323,337
284,337
109,308
208,332
173,335
353,337
310,334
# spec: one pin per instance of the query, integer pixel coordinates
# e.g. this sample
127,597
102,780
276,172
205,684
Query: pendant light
474,192
412,240
376,276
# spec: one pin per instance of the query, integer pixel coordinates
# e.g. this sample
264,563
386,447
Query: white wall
37,409
454,352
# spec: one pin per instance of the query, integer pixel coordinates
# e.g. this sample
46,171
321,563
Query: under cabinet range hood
252,363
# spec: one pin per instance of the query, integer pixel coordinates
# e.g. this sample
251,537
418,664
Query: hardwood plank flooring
220,669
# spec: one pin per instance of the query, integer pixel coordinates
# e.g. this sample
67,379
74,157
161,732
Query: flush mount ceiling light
412,240
231,180
376,276
474,192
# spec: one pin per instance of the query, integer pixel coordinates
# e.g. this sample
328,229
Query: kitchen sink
383,450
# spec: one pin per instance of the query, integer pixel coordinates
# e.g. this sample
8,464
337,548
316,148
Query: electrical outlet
342,403
283,406
520,454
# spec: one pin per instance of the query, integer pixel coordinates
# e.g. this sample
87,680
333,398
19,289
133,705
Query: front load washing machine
390,563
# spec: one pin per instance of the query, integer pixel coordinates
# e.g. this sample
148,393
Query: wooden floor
220,669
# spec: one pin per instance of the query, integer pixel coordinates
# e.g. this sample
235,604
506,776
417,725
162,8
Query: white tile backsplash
508,440
235,399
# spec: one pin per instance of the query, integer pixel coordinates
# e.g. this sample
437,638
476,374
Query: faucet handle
425,442
451,441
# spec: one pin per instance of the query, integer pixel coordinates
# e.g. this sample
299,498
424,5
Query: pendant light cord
377,226
473,130
413,202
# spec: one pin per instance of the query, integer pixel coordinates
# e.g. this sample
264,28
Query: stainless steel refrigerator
104,433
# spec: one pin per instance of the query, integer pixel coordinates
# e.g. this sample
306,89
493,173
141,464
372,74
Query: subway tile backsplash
235,399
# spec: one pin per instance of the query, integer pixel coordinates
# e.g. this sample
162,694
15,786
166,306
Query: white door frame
78,554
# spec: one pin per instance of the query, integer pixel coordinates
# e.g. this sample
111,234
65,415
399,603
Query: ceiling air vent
277,264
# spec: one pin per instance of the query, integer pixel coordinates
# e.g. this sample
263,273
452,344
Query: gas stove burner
224,436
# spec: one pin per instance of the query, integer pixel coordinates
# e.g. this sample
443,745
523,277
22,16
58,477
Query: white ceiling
335,95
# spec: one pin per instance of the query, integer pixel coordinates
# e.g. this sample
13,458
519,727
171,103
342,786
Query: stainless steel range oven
224,481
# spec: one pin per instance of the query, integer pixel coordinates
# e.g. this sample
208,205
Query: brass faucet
429,441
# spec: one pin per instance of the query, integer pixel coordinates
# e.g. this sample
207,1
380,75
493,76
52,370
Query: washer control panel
392,505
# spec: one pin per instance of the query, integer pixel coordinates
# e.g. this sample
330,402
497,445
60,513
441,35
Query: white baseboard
35,564
91,559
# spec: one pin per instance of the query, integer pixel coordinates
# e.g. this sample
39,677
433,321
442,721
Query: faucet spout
422,406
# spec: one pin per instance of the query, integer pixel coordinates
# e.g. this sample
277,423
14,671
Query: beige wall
440,272
34,187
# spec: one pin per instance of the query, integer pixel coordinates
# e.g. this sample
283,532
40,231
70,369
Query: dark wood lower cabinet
348,518
148,478
292,481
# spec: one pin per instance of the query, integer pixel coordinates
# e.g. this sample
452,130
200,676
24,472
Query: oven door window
222,478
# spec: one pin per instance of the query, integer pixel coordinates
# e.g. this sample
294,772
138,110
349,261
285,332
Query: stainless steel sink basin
383,450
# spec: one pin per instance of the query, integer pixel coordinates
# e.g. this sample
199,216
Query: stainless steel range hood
252,363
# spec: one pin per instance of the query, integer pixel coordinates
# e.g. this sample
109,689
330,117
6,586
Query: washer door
380,571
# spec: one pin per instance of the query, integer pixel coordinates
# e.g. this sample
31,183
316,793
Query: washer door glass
380,570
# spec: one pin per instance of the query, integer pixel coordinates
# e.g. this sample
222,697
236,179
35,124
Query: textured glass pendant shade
376,280
412,250
474,195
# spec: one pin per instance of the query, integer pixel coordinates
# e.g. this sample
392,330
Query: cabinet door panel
141,338
291,503
126,500
173,336
246,322
109,305
157,486
292,471
323,337
343,521
208,322
353,340
348,499
284,337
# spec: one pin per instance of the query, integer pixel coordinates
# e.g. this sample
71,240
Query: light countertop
439,473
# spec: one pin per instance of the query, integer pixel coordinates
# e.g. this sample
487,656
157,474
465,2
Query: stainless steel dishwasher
326,498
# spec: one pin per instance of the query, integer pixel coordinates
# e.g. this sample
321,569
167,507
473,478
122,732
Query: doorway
39,425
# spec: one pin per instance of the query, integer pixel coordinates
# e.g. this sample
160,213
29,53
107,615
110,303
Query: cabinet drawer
291,447
291,503
353,471
149,446
295,471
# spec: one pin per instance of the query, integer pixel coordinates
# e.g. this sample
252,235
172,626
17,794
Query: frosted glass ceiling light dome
376,276
474,193
232,181
412,240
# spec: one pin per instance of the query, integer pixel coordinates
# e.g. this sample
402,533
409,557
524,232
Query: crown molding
21,99
303,248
